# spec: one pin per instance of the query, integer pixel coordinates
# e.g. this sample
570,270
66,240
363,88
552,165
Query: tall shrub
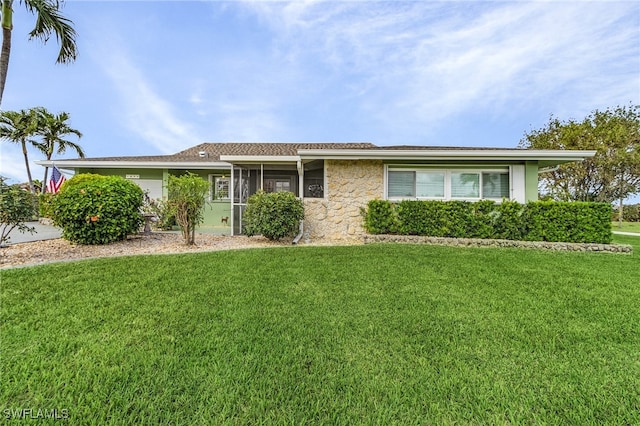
186,203
275,215
96,209
16,208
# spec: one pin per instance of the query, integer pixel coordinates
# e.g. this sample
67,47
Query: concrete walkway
43,232
634,234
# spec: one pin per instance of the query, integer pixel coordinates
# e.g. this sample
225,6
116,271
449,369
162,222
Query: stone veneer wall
350,185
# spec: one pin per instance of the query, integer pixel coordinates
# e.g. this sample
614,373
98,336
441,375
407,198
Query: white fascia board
457,154
74,164
253,159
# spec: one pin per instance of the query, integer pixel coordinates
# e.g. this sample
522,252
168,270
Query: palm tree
53,128
49,21
19,127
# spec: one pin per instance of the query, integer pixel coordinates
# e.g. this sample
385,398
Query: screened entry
248,179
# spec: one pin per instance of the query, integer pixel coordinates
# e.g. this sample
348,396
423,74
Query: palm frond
49,20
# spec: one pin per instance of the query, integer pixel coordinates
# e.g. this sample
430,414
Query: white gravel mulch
39,252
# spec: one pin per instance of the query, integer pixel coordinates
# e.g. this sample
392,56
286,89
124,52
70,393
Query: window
447,184
218,187
495,185
277,185
465,185
430,184
402,184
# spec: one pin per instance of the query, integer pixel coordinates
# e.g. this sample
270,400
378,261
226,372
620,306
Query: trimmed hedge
576,222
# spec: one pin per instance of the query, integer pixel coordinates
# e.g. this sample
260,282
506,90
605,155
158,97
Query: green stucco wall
531,181
214,210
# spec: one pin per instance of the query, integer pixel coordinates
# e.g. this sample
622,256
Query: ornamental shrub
275,215
16,208
95,209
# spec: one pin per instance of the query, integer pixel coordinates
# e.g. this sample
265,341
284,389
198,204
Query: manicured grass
626,227
380,334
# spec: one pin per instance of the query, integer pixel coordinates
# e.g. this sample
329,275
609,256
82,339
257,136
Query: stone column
350,186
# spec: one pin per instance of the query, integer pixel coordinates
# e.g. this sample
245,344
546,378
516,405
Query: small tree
16,208
186,201
275,215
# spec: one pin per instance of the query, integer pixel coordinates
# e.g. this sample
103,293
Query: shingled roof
215,150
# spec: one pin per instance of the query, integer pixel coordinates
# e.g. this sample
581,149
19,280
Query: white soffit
455,154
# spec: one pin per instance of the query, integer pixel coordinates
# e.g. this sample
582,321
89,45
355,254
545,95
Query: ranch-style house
334,180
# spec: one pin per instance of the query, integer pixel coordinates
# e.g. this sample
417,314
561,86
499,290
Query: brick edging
477,242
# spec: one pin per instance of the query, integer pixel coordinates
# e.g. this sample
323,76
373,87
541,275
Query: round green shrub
95,209
275,215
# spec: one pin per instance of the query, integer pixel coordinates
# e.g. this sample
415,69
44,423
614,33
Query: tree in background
53,128
20,127
49,21
613,174
186,201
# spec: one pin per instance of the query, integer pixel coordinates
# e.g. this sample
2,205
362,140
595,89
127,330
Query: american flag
56,180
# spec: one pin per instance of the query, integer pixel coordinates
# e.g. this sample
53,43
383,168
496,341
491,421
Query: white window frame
447,181
213,180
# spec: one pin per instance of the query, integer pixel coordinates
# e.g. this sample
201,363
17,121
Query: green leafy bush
535,221
275,215
507,220
577,222
95,209
16,208
186,203
380,217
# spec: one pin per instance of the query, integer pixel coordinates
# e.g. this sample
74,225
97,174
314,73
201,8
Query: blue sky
155,77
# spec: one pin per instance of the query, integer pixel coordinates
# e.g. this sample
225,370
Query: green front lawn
380,334
626,227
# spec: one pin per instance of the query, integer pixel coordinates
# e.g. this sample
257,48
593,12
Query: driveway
43,232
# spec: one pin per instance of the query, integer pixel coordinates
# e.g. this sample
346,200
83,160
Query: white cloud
145,112
428,62
12,163
253,121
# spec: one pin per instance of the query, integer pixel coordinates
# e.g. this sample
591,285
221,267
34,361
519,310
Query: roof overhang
258,159
124,164
545,158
